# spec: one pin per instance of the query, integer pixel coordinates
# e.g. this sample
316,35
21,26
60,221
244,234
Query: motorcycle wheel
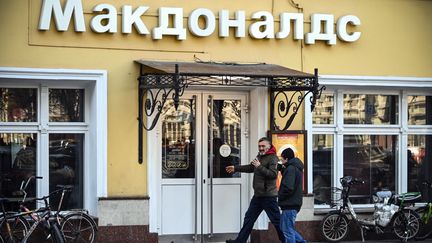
334,227
406,224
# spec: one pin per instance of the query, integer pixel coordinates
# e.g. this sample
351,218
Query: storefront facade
69,106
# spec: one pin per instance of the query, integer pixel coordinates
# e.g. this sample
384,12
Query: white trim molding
375,81
95,82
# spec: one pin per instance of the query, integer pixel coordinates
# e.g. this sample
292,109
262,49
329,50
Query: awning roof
226,69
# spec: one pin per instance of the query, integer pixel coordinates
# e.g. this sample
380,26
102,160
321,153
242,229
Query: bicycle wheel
425,224
406,224
334,227
79,227
1,239
18,226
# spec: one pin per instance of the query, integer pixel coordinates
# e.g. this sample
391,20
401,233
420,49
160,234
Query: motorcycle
390,214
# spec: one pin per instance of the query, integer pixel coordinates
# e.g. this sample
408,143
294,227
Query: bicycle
76,225
41,215
391,215
425,213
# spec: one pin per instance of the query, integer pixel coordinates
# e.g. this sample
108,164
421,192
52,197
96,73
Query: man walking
290,195
265,192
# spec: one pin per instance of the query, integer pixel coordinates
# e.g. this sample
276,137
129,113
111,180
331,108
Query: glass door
204,135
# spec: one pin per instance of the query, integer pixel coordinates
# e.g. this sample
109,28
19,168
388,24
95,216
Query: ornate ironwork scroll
288,101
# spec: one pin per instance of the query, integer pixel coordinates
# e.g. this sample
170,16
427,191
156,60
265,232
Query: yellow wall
395,41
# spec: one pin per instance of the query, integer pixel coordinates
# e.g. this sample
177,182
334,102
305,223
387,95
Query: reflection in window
225,125
370,109
419,110
371,158
323,112
66,162
66,105
322,156
17,163
178,140
18,105
419,165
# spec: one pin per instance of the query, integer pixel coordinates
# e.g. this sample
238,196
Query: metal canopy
159,81
222,69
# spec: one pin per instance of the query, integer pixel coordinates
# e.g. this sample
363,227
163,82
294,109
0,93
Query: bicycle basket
336,197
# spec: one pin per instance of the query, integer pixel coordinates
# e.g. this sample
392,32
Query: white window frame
342,84
94,127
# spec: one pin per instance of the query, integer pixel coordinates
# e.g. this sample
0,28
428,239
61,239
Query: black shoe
231,241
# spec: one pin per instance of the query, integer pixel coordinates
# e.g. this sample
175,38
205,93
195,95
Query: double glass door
206,133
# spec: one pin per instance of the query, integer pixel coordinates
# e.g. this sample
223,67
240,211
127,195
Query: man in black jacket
265,192
290,195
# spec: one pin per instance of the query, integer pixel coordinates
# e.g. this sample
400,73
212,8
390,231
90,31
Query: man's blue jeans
288,227
256,206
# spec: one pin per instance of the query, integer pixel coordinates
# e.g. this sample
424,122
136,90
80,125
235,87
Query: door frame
258,125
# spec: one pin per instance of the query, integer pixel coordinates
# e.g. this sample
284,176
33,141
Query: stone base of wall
128,233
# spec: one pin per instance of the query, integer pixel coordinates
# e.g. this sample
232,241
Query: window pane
17,163
371,158
322,156
419,163
66,105
419,110
66,162
370,109
18,105
178,141
324,108
225,124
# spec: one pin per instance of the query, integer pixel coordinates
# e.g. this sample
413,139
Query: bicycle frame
37,220
41,215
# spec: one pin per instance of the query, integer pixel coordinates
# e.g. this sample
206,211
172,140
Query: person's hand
256,162
230,169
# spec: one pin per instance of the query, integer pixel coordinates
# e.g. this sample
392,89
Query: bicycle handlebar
24,184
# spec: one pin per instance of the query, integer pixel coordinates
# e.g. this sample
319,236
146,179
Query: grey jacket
264,180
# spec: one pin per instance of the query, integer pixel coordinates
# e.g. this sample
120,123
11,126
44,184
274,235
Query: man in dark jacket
291,195
265,193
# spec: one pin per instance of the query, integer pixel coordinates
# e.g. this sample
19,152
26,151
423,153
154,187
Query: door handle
204,181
